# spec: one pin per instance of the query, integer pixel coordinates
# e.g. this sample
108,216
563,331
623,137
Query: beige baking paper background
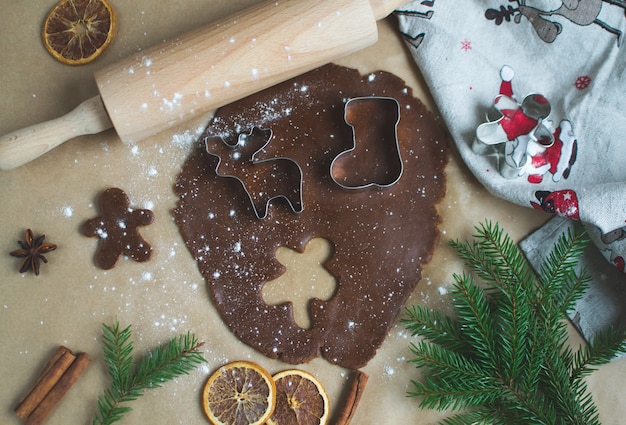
167,296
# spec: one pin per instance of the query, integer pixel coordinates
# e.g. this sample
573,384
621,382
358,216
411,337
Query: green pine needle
129,380
118,354
504,357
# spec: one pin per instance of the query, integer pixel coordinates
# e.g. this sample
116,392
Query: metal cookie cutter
263,180
374,159
515,132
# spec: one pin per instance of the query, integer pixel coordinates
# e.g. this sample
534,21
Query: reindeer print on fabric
416,39
546,21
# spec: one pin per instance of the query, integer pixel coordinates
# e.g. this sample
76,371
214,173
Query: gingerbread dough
381,236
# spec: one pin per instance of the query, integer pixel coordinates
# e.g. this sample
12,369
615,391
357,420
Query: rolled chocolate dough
381,235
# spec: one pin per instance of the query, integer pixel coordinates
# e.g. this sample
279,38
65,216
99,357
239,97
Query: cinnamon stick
348,408
53,397
50,375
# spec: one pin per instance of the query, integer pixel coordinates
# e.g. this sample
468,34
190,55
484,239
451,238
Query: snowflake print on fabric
466,45
582,82
116,228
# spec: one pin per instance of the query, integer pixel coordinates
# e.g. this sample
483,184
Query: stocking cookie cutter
375,110
235,161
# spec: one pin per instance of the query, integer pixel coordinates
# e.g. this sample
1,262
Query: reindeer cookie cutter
374,122
263,180
514,132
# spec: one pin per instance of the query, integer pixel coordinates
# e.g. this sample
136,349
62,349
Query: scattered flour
67,211
170,104
389,371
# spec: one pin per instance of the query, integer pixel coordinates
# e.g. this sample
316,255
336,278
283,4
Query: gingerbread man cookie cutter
263,180
514,131
374,121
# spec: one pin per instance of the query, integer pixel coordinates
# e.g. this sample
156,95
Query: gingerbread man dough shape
117,228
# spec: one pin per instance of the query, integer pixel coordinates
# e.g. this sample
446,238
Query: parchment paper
165,297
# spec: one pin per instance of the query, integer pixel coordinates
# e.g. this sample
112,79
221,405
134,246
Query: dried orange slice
239,393
300,399
77,31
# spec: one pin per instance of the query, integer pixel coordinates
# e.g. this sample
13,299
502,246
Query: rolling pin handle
22,146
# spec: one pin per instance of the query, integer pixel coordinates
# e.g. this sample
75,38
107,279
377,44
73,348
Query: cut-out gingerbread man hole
305,279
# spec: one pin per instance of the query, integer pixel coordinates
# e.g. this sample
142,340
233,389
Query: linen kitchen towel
533,93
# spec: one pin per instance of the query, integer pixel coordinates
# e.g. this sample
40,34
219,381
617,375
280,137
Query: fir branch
573,289
472,307
524,408
514,318
570,399
444,362
443,394
495,258
477,417
530,375
178,357
606,344
118,354
435,327
505,356
562,259
560,286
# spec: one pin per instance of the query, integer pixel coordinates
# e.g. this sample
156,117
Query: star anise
32,252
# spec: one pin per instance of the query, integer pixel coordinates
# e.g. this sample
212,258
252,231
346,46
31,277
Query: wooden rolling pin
208,68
